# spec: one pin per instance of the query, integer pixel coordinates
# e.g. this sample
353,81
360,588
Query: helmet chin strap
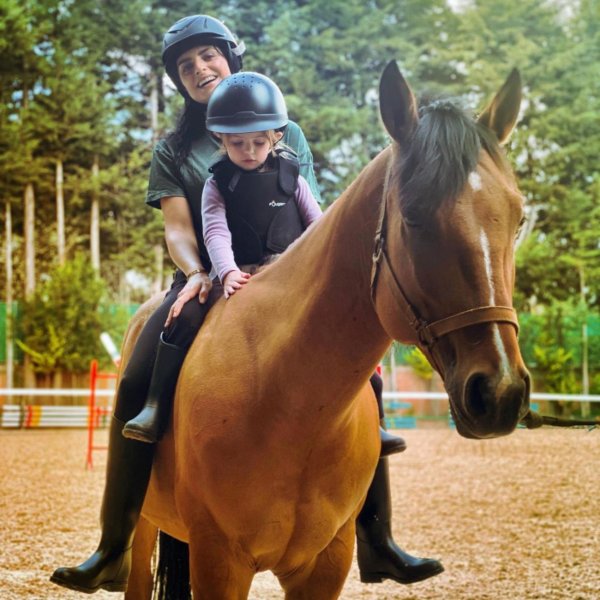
239,49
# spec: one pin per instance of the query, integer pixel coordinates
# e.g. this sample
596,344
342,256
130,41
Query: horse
274,436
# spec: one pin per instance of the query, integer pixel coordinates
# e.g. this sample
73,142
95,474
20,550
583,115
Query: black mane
444,149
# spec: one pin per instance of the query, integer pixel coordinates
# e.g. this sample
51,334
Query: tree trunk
60,214
158,262
95,218
154,106
10,365
585,374
29,226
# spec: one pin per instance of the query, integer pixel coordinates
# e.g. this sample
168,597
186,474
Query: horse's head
444,265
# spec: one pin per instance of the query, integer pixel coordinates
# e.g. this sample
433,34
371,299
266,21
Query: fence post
95,412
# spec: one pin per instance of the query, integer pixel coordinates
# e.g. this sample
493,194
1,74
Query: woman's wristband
194,272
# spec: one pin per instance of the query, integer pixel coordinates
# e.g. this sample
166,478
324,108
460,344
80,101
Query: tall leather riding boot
152,421
379,557
390,444
127,475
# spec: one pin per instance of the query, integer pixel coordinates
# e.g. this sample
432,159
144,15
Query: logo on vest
274,204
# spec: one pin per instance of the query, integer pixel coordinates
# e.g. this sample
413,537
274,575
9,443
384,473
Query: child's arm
217,238
308,207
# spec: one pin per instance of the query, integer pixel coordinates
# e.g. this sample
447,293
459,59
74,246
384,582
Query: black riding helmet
195,31
246,102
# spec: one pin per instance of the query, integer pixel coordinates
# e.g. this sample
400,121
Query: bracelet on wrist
194,272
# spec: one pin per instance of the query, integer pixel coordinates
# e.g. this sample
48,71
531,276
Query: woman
198,53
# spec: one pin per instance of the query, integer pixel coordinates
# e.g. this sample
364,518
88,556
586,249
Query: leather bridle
428,333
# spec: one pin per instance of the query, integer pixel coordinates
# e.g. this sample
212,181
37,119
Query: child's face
247,150
201,69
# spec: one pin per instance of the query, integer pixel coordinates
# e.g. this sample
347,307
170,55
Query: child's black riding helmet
246,102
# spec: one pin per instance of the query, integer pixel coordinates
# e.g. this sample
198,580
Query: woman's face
201,69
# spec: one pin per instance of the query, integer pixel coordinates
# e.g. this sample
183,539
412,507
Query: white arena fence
14,415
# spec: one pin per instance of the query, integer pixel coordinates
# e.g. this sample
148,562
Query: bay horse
274,437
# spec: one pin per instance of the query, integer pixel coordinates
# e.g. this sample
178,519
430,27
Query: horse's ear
397,103
501,114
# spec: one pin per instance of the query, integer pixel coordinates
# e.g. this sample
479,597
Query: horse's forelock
443,150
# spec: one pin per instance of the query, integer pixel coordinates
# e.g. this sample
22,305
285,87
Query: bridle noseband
428,333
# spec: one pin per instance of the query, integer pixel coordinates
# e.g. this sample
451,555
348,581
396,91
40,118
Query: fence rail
17,416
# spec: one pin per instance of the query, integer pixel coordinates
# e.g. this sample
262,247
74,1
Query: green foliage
419,364
556,365
61,325
552,345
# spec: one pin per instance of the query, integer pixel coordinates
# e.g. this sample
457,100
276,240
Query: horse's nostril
476,395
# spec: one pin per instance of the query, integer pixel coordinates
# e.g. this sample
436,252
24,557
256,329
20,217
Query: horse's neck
326,283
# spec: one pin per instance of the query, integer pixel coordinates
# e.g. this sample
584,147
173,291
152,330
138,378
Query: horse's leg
216,571
323,578
140,579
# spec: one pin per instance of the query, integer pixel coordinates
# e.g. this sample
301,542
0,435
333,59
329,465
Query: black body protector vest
261,212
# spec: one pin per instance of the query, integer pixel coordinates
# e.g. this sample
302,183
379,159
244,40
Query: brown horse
274,438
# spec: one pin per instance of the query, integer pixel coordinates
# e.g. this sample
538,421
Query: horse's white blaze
487,261
475,181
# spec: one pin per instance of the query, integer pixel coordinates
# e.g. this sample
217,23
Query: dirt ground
515,518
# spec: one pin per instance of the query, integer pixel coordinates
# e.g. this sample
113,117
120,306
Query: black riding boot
152,421
379,557
127,474
390,444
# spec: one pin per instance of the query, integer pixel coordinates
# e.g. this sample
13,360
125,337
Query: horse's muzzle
491,406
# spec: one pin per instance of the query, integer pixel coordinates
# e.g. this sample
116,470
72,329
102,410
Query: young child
256,203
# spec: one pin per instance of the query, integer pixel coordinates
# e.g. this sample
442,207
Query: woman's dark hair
191,124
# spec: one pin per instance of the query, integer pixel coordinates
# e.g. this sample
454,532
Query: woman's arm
183,250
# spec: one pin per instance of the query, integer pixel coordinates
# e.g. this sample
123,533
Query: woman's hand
198,285
233,281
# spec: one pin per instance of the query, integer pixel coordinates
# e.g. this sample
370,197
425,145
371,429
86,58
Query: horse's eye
413,223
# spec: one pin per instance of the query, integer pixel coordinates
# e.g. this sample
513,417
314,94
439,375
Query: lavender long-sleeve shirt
217,236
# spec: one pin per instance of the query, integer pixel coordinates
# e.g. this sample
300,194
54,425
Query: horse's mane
444,149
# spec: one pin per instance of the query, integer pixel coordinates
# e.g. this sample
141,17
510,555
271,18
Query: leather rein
428,333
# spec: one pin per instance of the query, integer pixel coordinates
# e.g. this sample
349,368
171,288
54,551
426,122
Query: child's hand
233,281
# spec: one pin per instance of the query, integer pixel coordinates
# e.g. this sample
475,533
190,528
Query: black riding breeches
135,381
377,385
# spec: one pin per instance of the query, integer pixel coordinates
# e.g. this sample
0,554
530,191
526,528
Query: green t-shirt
167,179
